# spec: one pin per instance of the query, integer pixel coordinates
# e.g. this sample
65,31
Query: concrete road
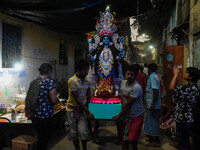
106,137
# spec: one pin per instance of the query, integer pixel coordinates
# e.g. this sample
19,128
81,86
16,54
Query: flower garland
100,72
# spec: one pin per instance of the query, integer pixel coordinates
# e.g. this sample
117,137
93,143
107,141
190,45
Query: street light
151,47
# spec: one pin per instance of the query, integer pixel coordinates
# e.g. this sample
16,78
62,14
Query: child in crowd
185,97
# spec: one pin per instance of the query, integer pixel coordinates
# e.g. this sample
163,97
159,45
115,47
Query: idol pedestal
105,111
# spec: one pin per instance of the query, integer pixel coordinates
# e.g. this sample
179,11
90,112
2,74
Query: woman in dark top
42,116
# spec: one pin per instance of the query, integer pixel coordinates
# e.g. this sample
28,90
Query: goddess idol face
106,40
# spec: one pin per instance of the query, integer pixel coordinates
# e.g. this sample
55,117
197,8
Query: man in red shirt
141,79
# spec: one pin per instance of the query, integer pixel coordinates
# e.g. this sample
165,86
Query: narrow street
106,138
100,59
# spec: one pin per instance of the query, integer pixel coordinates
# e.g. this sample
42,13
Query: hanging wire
138,5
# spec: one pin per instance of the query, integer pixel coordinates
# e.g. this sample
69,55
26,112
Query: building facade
30,45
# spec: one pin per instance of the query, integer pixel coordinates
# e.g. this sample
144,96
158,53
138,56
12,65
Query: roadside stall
16,124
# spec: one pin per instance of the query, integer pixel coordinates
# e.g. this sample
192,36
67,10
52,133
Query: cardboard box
24,142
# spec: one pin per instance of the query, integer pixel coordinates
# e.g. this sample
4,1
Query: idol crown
107,24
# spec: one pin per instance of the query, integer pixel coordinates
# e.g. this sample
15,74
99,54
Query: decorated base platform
105,101
105,111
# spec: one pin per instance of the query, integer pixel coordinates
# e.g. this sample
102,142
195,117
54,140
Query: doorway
173,55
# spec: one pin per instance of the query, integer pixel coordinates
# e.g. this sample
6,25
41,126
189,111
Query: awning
180,28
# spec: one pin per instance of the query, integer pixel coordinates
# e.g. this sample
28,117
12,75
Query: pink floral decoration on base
105,101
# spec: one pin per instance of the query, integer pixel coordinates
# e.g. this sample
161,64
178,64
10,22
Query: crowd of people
142,107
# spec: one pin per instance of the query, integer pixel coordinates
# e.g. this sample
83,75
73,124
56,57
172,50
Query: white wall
39,45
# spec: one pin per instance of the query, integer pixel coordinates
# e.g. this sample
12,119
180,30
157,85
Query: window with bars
11,45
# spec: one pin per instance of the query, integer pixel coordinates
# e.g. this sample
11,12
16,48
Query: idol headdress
107,24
